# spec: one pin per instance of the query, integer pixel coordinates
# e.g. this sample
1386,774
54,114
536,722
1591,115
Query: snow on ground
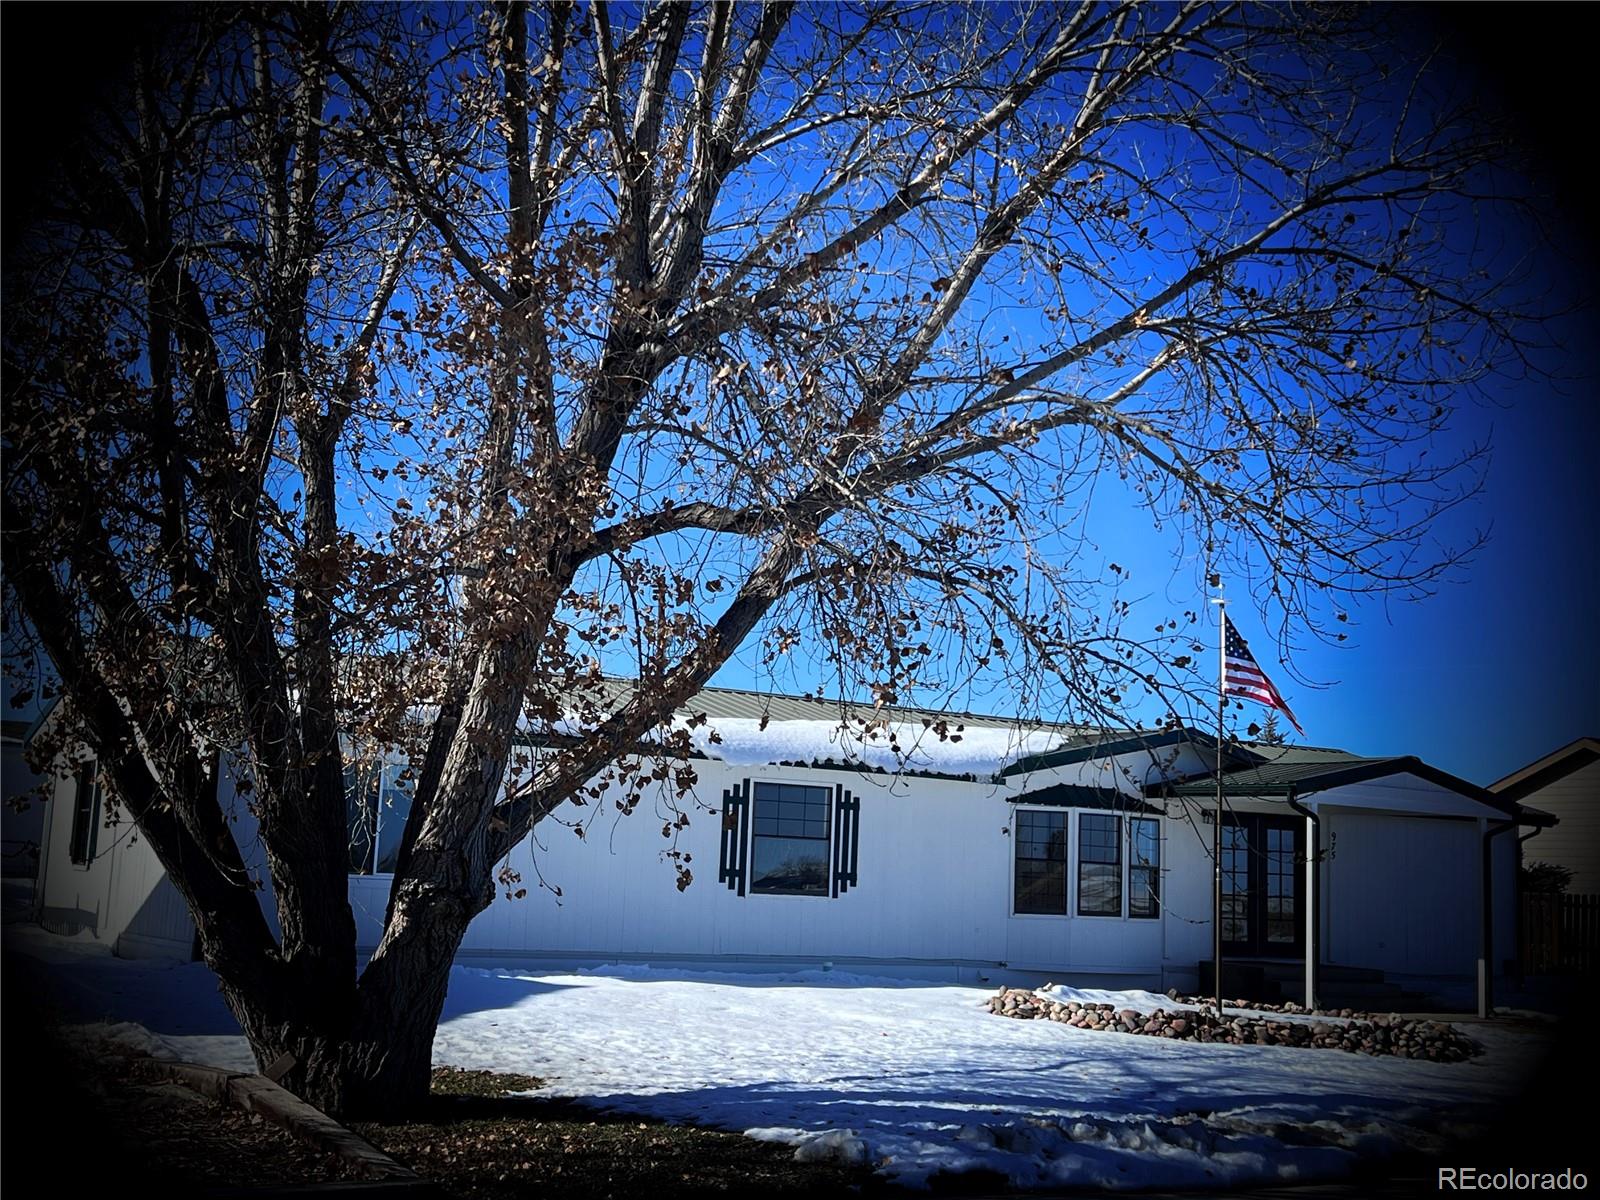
912,1077
168,1010
1149,1002
916,1078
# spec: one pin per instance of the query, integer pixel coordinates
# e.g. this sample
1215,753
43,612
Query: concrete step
1338,986
1365,997
1291,971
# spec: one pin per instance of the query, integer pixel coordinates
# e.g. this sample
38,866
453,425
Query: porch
1276,980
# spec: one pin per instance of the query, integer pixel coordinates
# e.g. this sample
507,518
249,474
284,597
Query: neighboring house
1565,783
97,873
1000,849
22,818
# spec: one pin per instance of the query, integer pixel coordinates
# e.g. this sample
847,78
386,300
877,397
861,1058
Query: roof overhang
1304,781
1073,795
1122,742
1552,768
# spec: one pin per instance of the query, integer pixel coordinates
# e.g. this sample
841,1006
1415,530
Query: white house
997,851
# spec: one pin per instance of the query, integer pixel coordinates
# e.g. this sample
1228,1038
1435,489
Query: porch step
1240,981
1273,982
1388,997
1294,971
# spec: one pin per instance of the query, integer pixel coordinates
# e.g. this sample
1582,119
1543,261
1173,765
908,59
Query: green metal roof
1072,795
1280,771
1278,778
1103,743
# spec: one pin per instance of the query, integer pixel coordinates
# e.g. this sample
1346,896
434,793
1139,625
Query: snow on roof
889,745
751,729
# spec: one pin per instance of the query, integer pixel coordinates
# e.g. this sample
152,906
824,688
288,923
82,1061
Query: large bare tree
379,376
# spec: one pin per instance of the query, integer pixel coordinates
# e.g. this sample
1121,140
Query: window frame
1154,868
1067,823
1074,817
1119,833
387,772
825,892
88,775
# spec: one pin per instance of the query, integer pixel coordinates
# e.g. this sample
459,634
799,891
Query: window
1235,884
789,850
85,815
1041,870
377,803
1042,867
1282,929
1099,865
789,839
1144,867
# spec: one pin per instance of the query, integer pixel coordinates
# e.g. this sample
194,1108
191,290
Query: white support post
1312,917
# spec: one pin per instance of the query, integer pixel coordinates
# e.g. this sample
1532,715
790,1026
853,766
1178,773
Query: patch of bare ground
480,1142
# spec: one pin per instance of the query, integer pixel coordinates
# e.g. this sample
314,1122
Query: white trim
1011,865
1074,845
1122,874
1160,867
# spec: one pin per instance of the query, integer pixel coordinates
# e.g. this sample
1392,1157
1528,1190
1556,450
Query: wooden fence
1560,934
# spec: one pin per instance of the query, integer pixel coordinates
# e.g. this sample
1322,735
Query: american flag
1242,677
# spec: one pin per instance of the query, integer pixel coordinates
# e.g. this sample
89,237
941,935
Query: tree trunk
376,1067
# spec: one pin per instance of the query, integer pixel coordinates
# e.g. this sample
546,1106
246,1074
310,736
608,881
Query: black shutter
846,839
735,845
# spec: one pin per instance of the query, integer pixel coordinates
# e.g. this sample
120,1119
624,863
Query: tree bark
379,1066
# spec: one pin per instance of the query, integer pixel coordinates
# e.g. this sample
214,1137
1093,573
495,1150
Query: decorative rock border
1288,1006
1400,1037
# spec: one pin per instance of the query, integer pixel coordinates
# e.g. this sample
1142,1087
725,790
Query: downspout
1486,937
1313,897
1517,891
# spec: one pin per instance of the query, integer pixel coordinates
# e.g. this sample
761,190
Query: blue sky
1500,665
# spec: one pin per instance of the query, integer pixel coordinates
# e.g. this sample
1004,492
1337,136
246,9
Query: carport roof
1281,771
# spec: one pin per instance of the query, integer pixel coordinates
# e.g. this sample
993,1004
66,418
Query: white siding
1187,900
1505,902
1402,893
934,891
934,866
122,896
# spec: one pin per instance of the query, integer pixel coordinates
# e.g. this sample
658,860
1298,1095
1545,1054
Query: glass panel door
1236,890
1262,885
1281,927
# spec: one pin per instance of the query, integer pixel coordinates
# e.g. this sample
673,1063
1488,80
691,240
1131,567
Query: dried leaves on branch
388,375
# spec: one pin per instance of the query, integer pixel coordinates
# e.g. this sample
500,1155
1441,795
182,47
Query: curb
258,1094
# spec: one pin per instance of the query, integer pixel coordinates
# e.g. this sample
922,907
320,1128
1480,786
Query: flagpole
1216,824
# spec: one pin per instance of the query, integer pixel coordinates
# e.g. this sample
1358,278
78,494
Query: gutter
1486,935
1313,951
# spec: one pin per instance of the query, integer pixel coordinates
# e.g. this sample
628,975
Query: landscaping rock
1399,1037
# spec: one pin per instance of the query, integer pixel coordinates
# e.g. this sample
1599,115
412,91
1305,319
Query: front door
1262,887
